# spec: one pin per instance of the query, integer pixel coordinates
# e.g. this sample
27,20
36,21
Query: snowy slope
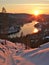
10,54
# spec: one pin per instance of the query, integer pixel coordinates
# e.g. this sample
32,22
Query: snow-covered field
14,54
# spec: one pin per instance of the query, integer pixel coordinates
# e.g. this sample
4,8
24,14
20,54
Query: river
26,29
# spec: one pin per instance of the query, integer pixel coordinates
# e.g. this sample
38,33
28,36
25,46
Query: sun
36,12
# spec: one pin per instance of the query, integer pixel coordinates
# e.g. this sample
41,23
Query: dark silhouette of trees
3,10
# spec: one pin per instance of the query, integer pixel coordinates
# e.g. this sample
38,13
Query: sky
25,6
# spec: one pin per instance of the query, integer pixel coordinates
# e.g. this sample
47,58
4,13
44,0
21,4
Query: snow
14,54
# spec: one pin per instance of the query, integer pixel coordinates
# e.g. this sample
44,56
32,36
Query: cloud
24,2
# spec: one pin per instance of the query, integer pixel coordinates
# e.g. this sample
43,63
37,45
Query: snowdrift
11,54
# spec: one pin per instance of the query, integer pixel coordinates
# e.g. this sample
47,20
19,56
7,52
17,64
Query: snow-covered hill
14,54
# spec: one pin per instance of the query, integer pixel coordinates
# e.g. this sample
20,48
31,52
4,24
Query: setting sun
36,12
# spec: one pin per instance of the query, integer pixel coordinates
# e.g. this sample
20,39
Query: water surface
27,29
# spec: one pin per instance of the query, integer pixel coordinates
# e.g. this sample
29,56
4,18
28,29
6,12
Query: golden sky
25,6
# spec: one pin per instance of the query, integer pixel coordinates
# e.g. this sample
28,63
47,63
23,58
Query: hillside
12,22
